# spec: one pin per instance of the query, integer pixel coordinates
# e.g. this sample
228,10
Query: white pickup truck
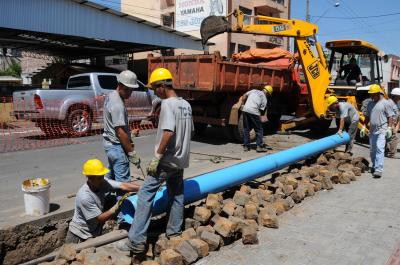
75,108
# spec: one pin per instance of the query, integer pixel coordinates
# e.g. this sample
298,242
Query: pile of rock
238,214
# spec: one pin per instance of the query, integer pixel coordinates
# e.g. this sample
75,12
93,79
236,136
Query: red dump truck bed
210,73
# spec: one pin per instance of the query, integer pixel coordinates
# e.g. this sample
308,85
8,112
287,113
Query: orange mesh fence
38,124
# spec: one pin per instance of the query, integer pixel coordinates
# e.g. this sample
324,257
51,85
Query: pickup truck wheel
79,122
238,131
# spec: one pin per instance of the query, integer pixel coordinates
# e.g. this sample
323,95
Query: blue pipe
197,188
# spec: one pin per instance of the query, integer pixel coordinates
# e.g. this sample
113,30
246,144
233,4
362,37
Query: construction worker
117,140
254,104
352,72
171,156
391,145
380,115
349,119
90,213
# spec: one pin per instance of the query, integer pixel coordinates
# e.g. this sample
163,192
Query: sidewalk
352,224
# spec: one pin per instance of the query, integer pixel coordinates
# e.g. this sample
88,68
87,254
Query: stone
251,211
357,171
252,223
241,198
189,222
202,214
245,189
249,235
98,258
318,178
80,263
325,173
361,163
150,262
239,212
213,240
326,183
225,227
344,178
200,246
121,260
67,252
213,203
321,160
161,244
208,228
309,189
81,256
317,185
291,180
254,199
335,177
288,189
279,193
188,234
229,208
170,257
240,223
215,218
289,203
58,262
174,242
188,253
280,206
298,194
268,218
345,167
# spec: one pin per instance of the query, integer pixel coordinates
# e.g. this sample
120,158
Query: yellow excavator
312,59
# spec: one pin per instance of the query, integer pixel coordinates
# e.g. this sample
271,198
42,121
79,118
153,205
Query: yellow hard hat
331,100
94,167
373,89
269,89
159,74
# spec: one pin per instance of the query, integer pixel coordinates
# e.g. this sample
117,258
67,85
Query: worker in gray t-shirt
171,156
117,136
349,118
391,144
90,213
380,115
254,105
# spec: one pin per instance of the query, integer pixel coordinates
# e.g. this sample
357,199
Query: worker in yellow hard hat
254,106
381,117
91,200
171,157
349,118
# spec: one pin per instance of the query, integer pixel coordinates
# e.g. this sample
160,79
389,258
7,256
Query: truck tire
238,131
79,121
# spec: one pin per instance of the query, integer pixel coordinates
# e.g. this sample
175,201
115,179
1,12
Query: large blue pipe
198,187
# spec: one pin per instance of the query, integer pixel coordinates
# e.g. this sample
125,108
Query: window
168,19
281,2
108,81
248,12
242,48
79,82
232,48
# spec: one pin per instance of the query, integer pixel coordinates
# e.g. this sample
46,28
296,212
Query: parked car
75,108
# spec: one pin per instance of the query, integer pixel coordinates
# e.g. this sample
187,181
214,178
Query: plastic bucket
36,196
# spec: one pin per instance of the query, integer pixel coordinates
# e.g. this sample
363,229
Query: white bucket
36,196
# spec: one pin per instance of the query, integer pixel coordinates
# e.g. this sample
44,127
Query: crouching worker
349,119
90,213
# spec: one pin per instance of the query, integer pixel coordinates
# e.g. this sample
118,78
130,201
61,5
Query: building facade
186,16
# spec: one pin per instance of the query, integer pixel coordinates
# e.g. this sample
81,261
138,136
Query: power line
374,16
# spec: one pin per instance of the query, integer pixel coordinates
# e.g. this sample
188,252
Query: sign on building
190,13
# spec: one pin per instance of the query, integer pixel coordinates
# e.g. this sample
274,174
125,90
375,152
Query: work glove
117,207
340,133
134,158
389,133
153,165
363,132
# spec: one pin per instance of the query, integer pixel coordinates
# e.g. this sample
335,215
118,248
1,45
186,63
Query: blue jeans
251,121
118,164
174,178
377,144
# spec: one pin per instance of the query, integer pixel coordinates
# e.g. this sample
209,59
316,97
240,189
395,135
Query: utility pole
308,11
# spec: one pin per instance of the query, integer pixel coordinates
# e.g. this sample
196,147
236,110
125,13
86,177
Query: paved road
352,224
62,165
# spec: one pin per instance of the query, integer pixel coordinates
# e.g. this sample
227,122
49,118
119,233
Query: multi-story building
186,16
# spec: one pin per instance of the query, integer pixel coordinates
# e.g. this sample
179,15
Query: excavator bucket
211,26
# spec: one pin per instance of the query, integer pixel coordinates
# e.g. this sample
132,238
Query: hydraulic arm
314,66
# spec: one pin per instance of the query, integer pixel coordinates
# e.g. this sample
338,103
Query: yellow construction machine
312,59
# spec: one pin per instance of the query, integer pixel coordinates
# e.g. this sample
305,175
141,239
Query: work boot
371,170
261,149
377,174
246,148
126,245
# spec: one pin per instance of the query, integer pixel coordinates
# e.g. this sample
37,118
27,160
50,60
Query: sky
352,20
